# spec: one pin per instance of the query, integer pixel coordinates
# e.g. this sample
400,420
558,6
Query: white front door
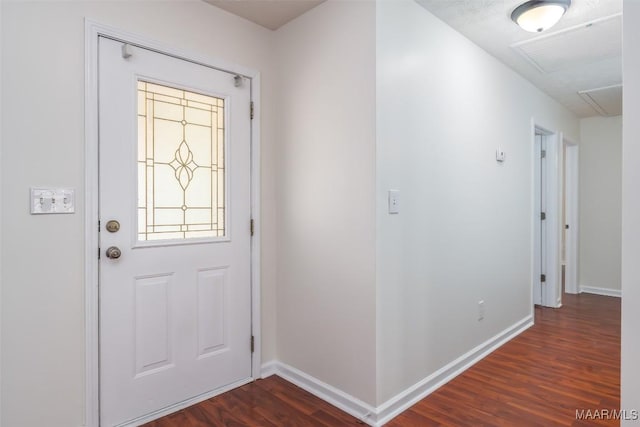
175,294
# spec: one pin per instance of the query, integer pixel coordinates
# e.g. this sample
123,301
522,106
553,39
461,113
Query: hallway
569,361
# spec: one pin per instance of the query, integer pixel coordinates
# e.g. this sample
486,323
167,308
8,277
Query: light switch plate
52,200
500,155
394,201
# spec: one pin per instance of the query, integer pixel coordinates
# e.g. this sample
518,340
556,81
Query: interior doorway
547,218
570,230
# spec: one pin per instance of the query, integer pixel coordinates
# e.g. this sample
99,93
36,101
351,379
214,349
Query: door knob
114,252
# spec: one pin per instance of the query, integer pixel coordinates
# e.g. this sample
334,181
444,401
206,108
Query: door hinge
566,226
98,253
251,227
543,154
251,110
253,344
543,278
98,226
543,215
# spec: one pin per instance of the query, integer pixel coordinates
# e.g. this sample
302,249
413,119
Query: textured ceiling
582,53
271,14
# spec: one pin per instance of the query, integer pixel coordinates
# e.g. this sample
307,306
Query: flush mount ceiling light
538,15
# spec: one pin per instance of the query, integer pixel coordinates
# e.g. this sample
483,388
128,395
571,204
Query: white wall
600,202
362,297
631,210
1,43
464,230
43,129
326,208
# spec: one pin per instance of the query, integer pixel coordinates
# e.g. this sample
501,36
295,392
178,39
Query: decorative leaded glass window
181,164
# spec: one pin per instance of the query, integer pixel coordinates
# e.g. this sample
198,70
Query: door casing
551,296
93,30
571,196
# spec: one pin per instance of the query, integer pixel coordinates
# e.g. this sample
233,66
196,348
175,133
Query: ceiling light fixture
536,16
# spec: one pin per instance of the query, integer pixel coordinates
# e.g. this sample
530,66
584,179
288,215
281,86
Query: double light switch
52,200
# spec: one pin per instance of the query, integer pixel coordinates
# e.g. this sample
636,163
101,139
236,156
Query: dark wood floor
570,360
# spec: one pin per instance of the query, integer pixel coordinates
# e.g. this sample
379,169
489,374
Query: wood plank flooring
272,402
570,360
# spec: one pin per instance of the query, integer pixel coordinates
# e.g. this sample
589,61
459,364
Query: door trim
93,31
551,293
572,195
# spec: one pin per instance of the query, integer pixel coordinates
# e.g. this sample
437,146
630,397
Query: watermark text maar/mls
608,414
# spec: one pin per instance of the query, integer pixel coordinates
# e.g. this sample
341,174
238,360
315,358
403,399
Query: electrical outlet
394,201
480,310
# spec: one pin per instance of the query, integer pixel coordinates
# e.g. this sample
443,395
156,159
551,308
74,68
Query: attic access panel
575,46
607,101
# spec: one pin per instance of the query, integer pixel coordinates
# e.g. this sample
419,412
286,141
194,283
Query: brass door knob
114,252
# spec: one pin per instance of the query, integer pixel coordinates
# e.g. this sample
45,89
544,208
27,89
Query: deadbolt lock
113,226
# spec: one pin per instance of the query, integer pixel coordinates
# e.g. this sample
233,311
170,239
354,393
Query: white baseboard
601,291
402,401
269,368
349,404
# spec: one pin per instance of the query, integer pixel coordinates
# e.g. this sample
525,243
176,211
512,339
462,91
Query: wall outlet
394,201
480,310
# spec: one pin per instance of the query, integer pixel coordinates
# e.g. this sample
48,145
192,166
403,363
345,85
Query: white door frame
571,199
94,30
551,292
536,224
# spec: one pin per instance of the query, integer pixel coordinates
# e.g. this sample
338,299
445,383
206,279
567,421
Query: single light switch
394,201
52,200
500,156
